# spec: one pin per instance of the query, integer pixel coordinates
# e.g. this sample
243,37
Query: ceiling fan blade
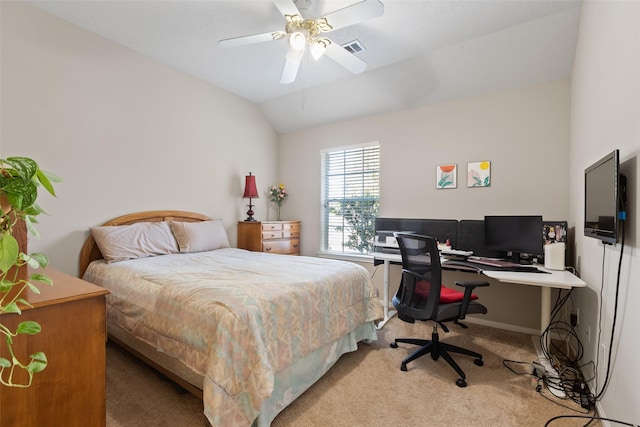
345,58
290,70
350,15
286,7
256,38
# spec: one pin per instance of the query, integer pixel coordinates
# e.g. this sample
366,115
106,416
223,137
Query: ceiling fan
306,34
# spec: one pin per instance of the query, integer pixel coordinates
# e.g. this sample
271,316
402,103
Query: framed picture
554,232
447,176
479,174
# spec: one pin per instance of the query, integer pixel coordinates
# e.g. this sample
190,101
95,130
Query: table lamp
250,192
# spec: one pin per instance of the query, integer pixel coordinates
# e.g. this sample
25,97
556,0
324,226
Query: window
350,198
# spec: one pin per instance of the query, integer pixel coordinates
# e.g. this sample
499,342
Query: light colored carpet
367,388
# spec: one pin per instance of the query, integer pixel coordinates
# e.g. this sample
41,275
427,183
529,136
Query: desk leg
545,308
385,297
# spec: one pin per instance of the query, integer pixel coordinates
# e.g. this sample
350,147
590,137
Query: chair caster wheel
461,383
403,367
478,362
393,345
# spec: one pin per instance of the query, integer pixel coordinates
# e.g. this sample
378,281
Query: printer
385,242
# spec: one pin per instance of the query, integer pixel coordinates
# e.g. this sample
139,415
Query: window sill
347,257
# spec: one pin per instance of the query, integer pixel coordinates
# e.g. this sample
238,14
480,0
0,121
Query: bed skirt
289,383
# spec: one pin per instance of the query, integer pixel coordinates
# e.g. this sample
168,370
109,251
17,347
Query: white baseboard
500,325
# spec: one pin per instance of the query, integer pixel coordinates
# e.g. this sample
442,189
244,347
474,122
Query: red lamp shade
250,192
250,189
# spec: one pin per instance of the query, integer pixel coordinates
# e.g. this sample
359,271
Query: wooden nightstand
71,390
276,237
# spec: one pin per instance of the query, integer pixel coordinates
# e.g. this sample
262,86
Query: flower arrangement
278,194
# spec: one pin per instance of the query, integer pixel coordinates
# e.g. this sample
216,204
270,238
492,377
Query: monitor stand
517,259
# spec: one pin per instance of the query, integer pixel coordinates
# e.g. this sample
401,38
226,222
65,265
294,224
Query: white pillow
200,236
139,240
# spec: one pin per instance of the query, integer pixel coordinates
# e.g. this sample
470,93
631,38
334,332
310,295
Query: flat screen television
602,198
518,234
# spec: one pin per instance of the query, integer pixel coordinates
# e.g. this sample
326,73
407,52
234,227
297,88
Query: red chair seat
447,295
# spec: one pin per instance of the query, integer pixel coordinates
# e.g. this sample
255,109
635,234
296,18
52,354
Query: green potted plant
20,178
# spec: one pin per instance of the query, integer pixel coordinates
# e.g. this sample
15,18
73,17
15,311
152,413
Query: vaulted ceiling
418,52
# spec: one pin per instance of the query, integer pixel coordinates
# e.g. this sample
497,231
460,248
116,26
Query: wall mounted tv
602,198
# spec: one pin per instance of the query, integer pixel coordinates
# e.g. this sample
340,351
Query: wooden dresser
276,237
71,391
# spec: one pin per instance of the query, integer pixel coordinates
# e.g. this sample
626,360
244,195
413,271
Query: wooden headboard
90,251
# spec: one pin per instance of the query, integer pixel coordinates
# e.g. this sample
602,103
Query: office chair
418,299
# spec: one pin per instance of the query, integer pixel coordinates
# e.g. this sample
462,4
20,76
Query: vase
278,212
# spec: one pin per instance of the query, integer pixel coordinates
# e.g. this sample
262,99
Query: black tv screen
518,234
601,198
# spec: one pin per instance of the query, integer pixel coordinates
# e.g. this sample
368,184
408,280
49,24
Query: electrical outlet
573,319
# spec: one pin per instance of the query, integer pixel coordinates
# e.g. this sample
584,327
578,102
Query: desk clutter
464,241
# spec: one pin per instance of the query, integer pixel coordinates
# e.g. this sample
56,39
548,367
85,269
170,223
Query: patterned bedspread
236,317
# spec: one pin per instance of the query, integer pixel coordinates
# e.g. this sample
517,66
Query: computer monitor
518,234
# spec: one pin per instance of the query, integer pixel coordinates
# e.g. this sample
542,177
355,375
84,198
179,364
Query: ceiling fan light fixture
317,49
297,40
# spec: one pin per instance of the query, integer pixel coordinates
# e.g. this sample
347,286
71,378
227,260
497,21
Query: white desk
560,279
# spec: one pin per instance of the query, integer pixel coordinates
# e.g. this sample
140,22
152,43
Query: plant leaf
38,362
12,307
26,168
24,302
29,328
5,285
9,251
41,278
41,259
5,363
29,222
33,288
44,180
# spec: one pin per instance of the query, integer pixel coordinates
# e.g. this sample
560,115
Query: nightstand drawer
291,246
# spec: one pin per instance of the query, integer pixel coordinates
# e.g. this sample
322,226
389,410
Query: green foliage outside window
359,215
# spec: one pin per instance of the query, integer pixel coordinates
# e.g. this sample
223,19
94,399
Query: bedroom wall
125,132
605,115
523,132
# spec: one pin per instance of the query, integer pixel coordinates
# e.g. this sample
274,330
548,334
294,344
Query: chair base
437,348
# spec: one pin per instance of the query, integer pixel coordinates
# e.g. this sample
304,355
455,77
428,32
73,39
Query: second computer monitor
518,234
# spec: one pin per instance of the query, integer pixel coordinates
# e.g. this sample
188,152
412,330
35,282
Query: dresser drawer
291,226
271,226
291,246
292,233
270,235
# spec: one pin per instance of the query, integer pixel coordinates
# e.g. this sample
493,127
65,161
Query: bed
249,332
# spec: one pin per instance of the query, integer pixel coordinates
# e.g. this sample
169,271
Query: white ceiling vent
354,46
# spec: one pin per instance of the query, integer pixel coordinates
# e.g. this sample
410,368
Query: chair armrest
468,286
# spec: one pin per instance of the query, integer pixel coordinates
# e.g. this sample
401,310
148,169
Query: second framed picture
479,174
